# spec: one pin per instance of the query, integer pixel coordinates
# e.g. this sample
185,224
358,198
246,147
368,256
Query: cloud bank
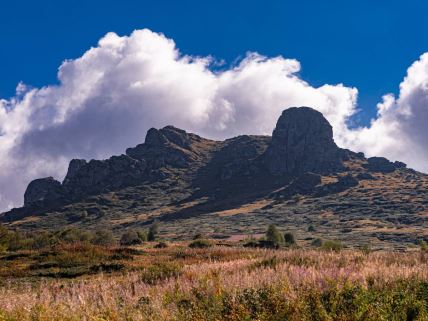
108,98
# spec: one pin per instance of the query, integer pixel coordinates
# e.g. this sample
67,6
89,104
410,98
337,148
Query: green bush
200,244
330,245
103,237
73,235
317,242
153,231
161,245
289,239
197,236
423,246
143,235
130,238
160,272
274,236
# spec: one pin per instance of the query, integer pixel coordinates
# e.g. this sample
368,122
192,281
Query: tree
73,235
130,238
103,237
289,238
4,238
153,231
274,236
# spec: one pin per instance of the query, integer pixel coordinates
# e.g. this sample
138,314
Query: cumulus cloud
400,131
108,98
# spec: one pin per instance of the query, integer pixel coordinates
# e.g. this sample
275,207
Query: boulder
102,175
382,165
42,191
73,168
343,183
167,146
303,142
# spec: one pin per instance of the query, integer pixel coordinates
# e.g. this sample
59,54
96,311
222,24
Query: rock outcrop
168,146
300,151
42,190
99,176
303,142
382,165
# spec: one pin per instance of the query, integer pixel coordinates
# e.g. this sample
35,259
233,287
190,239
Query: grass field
221,282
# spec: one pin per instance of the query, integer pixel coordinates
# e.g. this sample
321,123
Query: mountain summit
226,187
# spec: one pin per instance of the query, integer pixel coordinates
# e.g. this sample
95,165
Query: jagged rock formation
382,165
169,146
303,142
301,146
42,190
175,175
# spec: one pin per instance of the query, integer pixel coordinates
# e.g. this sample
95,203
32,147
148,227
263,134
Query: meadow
211,281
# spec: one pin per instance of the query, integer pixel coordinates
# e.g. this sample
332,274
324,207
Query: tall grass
235,284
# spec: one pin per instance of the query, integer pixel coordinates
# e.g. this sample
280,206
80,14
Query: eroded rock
303,142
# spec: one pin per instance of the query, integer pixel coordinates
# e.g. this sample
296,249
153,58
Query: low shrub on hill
200,244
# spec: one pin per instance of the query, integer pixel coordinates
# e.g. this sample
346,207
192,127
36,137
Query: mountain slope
298,179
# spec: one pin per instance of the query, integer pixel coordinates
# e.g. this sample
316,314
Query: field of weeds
216,283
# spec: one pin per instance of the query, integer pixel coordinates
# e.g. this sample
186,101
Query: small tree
73,235
103,237
130,238
153,231
311,228
274,236
143,235
331,245
317,242
5,235
289,238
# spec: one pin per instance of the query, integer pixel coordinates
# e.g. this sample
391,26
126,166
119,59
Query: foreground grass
217,283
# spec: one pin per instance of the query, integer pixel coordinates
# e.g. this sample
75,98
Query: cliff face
303,142
175,175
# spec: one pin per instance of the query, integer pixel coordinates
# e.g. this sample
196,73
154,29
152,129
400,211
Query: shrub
366,249
423,246
197,236
161,245
317,242
251,243
160,272
330,245
43,240
143,236
311,228
274,236
103,237
130,238
153,231
289,239
73,235
200,244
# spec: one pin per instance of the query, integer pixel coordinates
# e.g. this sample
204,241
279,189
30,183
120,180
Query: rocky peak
302,142
167,146
42,190
382,165
73,168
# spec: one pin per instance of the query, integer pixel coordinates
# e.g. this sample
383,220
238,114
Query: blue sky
107,97
363,44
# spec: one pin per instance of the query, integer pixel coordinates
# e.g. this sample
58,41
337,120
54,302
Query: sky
86,79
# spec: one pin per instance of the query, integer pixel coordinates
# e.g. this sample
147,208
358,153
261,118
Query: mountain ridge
175,175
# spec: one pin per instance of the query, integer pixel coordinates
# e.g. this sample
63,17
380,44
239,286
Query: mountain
298,179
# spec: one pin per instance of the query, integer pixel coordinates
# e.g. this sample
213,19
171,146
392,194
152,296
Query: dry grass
246,208
232,283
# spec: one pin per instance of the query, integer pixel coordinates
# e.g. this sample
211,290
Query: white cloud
107,99
400,131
